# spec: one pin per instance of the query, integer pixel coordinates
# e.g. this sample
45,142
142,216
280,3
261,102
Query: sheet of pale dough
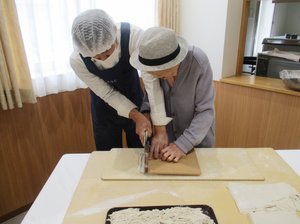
279,217
215,164
278,196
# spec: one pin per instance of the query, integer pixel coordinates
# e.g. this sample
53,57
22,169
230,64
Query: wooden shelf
258,82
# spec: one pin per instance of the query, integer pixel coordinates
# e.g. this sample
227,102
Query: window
46,30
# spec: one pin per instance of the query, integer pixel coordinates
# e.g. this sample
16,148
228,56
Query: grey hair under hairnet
93,32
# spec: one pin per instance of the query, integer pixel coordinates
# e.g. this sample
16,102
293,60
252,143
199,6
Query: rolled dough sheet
274,217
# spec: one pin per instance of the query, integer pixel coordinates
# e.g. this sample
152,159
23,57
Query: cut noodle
174,215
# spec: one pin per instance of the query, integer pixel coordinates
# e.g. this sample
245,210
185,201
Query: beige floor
16,220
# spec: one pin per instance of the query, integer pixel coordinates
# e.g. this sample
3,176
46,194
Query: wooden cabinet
257,112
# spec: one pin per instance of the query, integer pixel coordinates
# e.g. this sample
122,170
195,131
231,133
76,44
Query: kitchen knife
144,156
147,145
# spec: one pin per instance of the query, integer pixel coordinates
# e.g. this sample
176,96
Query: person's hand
171,153
159,141
142,124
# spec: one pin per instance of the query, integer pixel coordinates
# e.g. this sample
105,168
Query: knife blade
144,154
147,146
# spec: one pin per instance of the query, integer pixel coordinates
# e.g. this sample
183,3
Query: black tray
205,208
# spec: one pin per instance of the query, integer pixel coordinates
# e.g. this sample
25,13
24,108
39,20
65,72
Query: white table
291,157
52,202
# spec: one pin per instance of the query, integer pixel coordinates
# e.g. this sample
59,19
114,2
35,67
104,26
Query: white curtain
168,14
15,81
46,29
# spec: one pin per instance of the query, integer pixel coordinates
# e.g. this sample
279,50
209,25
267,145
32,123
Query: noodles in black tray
162,214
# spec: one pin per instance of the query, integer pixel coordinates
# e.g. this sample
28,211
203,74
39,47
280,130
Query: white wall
286,19
293,18
280,11
208,25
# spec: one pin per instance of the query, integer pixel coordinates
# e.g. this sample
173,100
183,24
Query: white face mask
109,62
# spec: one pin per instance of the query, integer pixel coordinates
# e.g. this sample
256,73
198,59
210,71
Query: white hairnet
93,32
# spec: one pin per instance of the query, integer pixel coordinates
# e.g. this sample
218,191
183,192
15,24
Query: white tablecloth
52,202
291,157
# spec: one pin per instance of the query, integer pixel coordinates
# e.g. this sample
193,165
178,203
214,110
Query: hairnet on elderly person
101,60
186,78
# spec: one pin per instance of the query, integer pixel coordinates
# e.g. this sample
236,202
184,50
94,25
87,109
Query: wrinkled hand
159,141
171,153
142,124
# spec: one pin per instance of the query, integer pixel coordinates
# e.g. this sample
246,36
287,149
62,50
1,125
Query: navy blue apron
107,124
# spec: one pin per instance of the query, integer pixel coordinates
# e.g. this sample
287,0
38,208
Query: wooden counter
256,112
94,196
258,82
